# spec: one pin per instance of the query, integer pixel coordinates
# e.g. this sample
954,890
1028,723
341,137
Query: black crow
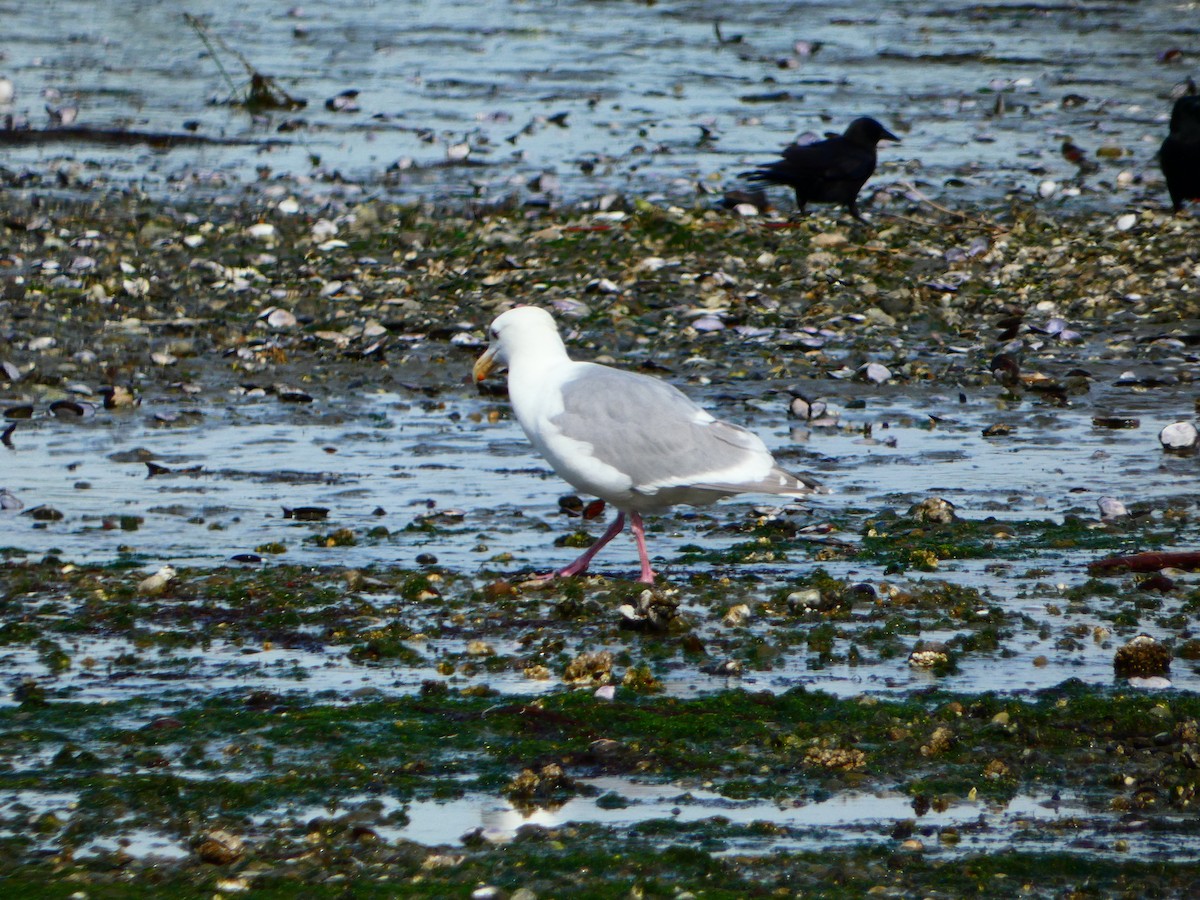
829,171
1180,153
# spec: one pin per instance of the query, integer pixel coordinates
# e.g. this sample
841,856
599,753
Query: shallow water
385,460
1024,823
396,463
602,98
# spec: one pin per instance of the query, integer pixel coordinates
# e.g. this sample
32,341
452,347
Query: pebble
1178,437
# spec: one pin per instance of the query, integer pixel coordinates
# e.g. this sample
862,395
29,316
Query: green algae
1088,741
200,757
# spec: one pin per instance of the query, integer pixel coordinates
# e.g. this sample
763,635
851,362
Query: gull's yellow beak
485,364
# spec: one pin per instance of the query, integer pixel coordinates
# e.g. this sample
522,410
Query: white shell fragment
261,231
1111,509
875,373
1178,437
278,318
737,615
1125,222
156,583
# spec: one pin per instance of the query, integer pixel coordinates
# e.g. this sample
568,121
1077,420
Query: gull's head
526,331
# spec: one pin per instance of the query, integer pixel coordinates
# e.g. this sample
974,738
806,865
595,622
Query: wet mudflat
268,621
538,101
267,616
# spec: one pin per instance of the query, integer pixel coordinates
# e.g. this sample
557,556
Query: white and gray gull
632,440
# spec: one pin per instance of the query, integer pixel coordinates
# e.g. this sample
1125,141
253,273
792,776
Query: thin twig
929,201
202,32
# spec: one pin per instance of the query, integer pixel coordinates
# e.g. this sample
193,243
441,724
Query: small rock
220,848
929,655
1142,657
934,510
737,615
593,668
940,741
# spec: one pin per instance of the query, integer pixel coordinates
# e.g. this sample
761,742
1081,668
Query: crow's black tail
762,175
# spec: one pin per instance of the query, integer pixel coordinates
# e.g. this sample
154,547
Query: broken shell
261,231
1178,437
293,395
1153,683
69,409
803,408
1111,508
652,612
117,397
9,500
727,668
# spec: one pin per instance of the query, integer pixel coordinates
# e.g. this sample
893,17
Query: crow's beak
888,136
485,363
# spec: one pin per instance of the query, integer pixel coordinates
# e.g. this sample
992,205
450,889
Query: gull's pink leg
639,535
580,565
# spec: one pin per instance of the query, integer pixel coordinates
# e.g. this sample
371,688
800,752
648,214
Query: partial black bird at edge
1180,153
